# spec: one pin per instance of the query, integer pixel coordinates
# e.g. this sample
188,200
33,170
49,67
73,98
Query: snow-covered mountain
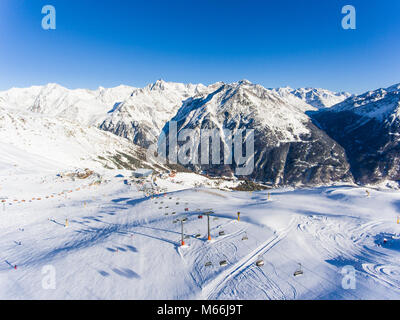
317,98
289,149
88,107
66,143
143,114
368,127
137,114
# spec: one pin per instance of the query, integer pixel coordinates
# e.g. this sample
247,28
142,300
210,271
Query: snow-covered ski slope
122,244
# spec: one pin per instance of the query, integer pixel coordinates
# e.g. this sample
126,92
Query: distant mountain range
303,136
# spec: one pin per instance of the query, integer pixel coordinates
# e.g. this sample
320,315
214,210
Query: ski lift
208,264
223,263
221,233
299,271
259,262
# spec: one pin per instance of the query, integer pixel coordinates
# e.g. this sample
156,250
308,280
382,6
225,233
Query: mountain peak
159,84
244,82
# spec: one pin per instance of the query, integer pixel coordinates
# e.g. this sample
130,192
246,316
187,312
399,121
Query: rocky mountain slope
143,114
368,127
302,136
288,147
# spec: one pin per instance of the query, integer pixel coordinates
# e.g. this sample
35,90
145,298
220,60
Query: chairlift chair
299,271
223,263
259,262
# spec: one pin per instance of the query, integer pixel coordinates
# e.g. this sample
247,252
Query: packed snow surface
111,241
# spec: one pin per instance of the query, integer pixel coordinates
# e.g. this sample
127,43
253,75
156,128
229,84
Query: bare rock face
368,127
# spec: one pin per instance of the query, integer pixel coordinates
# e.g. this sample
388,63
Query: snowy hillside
66,143
71,239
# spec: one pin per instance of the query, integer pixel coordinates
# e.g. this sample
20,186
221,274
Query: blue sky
274,43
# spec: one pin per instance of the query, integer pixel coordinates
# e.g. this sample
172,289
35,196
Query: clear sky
299,43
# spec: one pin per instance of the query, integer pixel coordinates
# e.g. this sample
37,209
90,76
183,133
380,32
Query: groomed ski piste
110,240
